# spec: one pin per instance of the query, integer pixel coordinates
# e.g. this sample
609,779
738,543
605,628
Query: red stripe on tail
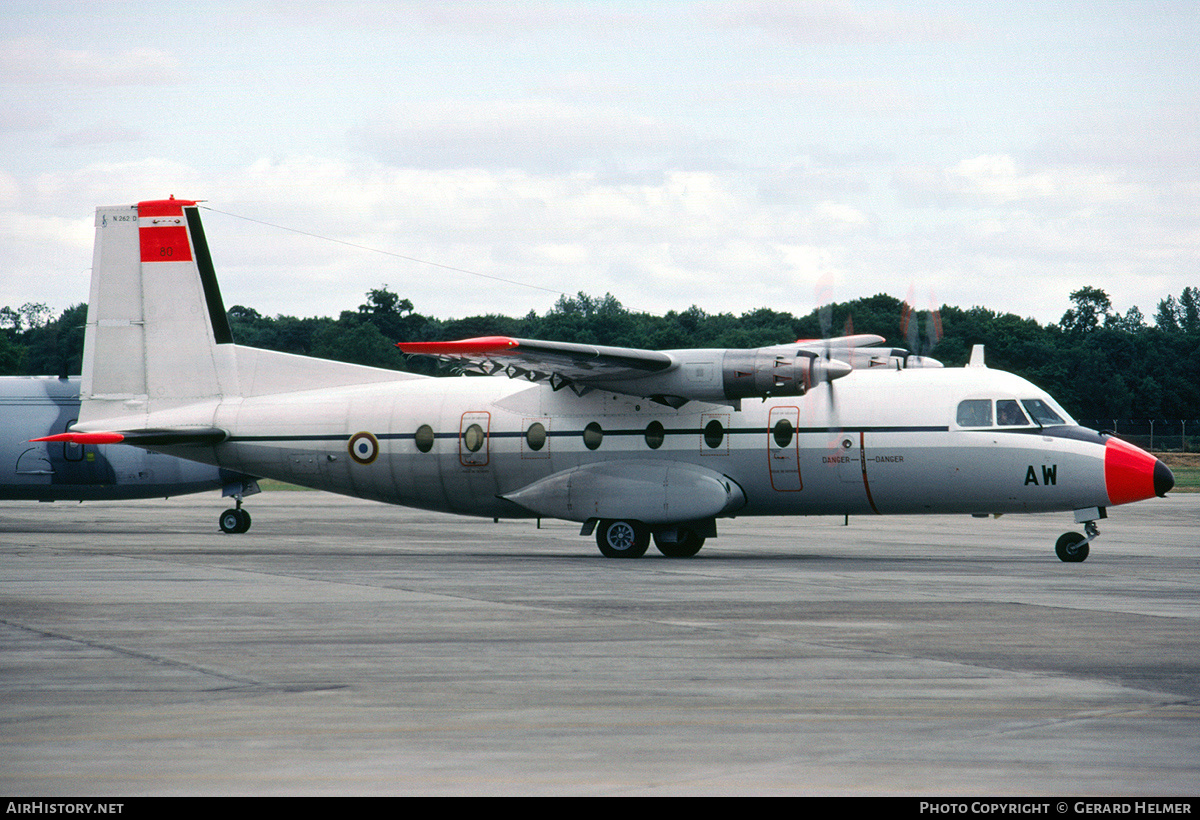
163,234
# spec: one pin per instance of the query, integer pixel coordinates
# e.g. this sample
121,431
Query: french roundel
363,447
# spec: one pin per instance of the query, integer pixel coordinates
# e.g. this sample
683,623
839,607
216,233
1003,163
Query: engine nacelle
768,372
896,358
726,376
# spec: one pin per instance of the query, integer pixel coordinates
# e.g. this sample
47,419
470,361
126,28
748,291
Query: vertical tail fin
157,335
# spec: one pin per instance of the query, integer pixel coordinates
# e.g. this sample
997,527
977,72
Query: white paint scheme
880,441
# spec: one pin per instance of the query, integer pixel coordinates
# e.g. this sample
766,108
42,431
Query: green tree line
1096,362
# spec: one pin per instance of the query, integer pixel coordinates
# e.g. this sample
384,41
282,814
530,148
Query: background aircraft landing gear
1073,547
237,487
622,539
235,519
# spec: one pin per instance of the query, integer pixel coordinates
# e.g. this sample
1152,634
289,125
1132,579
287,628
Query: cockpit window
1042,413
1008,414
975,413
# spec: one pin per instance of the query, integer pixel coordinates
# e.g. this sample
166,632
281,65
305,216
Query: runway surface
345,647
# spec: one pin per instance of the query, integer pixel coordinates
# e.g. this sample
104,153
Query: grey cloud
32,60
531,135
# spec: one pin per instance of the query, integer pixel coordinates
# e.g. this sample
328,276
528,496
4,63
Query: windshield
1010,413
1042,413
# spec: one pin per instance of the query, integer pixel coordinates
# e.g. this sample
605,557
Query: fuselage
890,442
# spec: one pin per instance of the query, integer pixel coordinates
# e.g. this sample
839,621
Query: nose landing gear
1073,547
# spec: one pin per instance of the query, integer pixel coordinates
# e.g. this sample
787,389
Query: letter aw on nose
1049,475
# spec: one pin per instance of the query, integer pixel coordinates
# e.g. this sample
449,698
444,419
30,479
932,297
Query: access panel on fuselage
783,450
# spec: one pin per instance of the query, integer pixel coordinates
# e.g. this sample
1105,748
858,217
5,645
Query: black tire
686,547
229,521
1071,547
622,539
234,521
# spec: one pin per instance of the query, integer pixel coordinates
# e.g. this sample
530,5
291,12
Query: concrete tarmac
344,647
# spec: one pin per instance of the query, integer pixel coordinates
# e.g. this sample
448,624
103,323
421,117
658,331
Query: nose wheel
1073,547
235,519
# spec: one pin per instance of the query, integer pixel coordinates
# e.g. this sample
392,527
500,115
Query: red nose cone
1131,474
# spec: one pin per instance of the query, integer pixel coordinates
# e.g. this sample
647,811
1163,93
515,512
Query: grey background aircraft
35,406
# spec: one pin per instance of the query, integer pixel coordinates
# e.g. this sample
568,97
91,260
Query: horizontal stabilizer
199,436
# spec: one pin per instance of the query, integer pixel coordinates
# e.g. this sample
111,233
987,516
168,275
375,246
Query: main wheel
234,520
622,539
688,545
1071,547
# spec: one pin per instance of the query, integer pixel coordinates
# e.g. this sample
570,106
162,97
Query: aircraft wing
861,353
562,363
670,377
841,342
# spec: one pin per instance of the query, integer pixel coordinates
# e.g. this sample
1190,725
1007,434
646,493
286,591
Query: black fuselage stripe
1057,431
677,431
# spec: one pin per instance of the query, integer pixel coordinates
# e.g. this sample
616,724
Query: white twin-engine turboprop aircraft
634,444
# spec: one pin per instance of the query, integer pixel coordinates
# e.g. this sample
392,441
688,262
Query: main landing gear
630,539
235,519
622,539
680,543
1073,547
237,487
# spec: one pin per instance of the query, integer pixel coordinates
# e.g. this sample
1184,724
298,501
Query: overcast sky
727,154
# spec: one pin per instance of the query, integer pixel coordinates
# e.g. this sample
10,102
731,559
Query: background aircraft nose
1131,474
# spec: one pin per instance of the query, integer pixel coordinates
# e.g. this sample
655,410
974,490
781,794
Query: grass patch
270,485
1186,467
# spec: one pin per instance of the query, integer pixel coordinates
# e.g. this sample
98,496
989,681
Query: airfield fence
1155,435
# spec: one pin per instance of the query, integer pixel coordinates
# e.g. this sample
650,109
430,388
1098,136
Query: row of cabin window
474,437
971,413
1009,413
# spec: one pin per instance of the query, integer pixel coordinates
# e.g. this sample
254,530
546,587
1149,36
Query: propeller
833,368
910,329
933,327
